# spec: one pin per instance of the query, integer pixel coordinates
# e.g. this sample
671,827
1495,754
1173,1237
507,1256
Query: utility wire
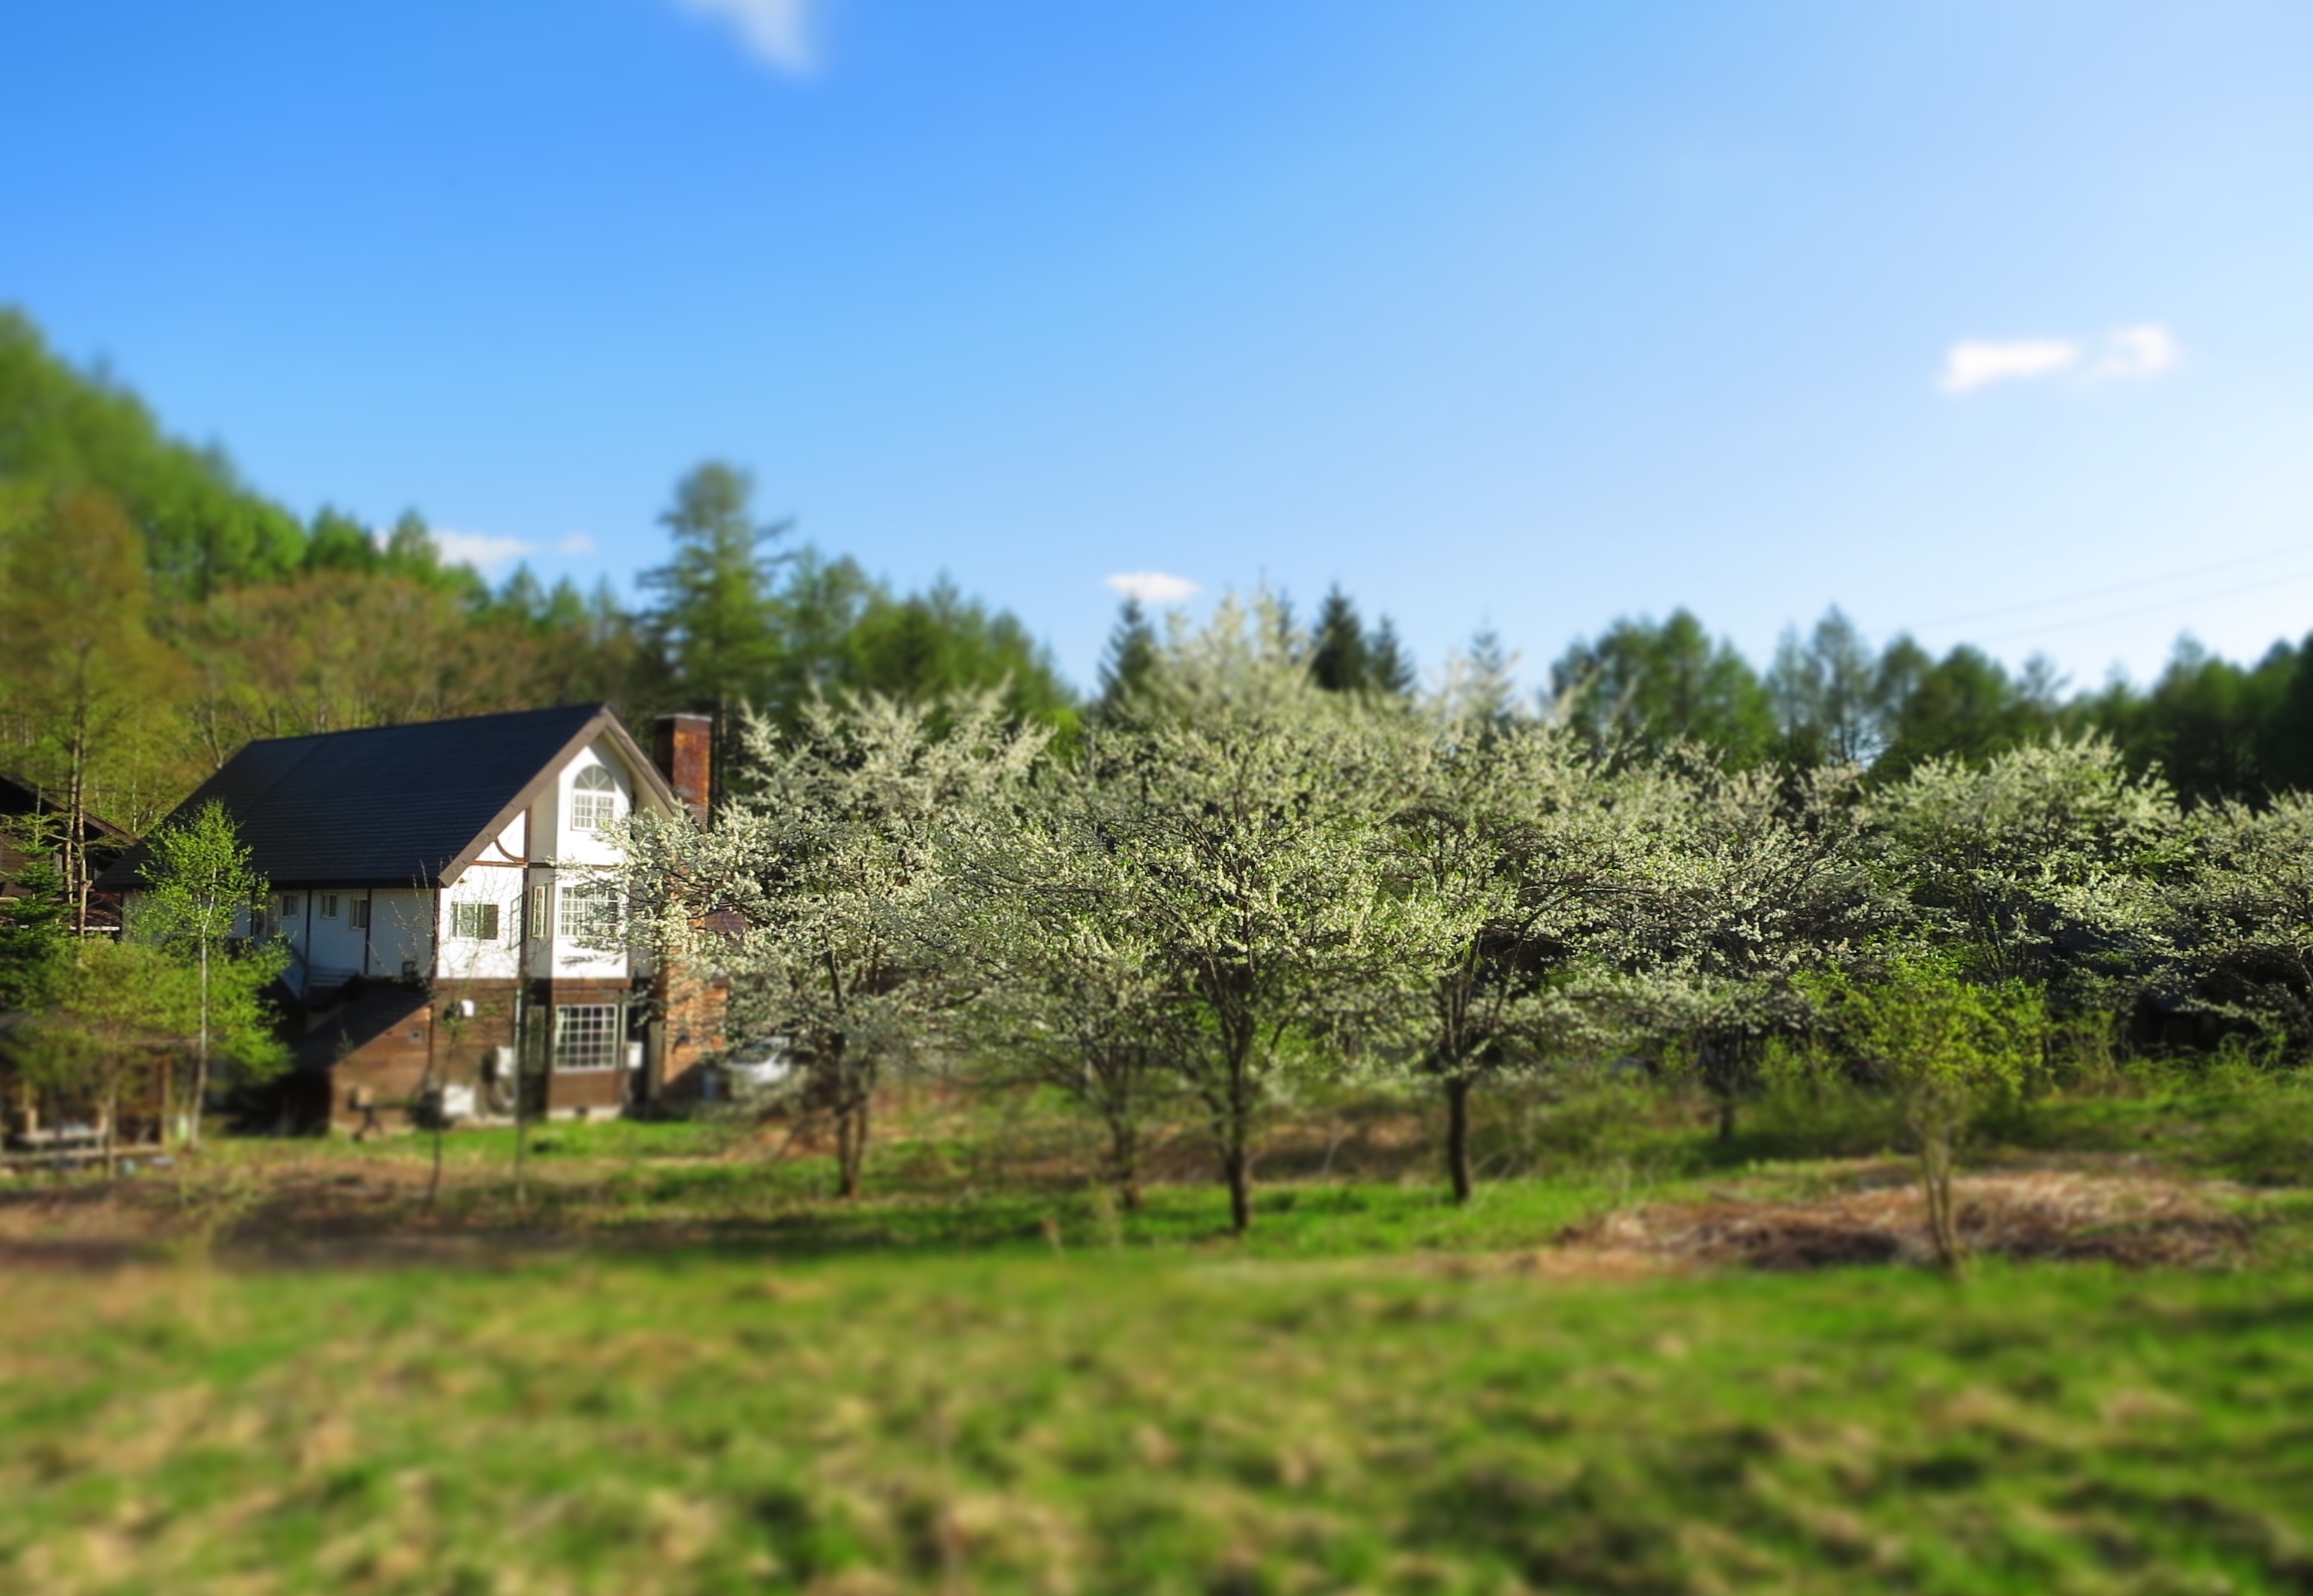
2153,609
2078,598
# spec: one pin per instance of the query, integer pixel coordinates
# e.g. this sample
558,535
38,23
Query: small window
290,903
594,800
327,903
357,914
475,923
586,1037
590,912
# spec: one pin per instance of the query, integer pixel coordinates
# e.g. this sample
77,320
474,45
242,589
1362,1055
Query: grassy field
679,1369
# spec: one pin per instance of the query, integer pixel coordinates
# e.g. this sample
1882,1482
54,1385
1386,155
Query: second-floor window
475,923
594,800
589,912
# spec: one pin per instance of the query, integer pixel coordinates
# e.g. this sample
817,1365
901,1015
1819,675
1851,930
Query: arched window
594,800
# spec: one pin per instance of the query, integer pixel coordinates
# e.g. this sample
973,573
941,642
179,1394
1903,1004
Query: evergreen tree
35,921
1132,653
1391,670
1341,660
714,620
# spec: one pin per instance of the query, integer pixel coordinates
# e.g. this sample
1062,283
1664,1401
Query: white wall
336,949
555,954
401,928
466,958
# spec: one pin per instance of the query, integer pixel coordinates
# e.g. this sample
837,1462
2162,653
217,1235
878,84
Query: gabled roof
394,806
20,797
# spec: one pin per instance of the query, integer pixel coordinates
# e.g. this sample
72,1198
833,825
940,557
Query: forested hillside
156,612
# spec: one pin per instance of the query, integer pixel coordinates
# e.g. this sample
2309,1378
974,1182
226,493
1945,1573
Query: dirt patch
2041,1215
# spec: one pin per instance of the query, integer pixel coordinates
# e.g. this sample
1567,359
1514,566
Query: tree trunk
1943,1220
1457,1137
200,1055
1726,1116
1124,1161
1238,1170
850,1150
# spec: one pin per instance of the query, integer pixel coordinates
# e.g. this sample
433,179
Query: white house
443,892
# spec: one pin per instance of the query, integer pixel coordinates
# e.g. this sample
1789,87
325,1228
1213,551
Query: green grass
680,1368
1123,1421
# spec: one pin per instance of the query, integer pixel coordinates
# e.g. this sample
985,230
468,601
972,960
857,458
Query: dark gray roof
394,806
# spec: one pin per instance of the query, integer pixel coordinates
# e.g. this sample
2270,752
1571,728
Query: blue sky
1986,319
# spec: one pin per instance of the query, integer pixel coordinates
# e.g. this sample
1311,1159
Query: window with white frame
587,1035
589,912
357,914
594,800
474,923
326,902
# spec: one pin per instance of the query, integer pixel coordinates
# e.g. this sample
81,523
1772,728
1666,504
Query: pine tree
1341,660
1131,655
35,917
1392,668
715,622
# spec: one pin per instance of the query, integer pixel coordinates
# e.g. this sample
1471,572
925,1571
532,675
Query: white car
757,1069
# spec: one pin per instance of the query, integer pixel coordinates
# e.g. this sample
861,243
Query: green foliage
63,431
199,890
35,920
714,618
1948,1048
1131,655
1645,686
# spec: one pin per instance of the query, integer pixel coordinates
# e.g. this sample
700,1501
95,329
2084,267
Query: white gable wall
577,856
466,958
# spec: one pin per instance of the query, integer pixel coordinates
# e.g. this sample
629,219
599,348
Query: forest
158,611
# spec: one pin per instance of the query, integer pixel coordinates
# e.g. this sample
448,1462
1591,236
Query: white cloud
2141,351
777,32
577,542
1971,363
487,554
1151,588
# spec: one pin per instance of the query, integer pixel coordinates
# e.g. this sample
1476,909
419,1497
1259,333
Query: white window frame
325,903
478,915
589,1038
594,800
588,912
357,913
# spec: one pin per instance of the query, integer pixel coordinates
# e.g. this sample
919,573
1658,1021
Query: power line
2154,609
2076,598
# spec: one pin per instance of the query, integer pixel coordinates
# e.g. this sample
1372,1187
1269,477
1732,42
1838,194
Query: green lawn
679,1369
1130,1421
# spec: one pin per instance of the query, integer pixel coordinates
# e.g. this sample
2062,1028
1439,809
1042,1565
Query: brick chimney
683,749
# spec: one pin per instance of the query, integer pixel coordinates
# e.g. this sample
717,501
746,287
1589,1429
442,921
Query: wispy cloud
1151,588
778,33
487,554
1971,363
2144,350
577,542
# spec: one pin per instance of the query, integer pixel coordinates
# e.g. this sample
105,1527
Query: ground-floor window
587,1035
